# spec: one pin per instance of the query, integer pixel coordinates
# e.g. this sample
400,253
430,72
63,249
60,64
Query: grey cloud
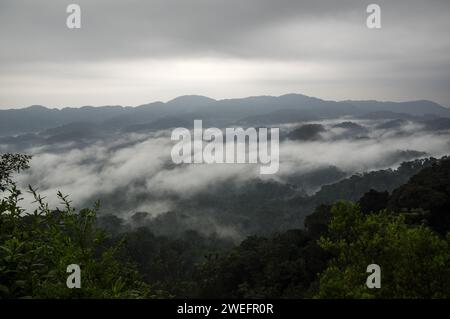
140,167
35,30
42,61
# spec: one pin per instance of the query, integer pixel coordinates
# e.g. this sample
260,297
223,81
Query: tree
282,266
414,261
37,247
428,190
373,201
316,224
9,164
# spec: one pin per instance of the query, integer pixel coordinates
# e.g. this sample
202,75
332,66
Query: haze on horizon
135,52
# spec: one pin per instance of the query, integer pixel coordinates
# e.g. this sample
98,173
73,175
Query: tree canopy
405,233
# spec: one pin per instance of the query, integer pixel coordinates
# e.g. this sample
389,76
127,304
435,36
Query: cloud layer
139,51
134,172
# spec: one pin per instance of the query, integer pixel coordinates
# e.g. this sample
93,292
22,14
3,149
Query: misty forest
359,183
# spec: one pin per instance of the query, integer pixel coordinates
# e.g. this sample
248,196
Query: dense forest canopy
404,230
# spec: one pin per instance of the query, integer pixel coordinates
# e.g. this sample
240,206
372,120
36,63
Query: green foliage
373,201
37,247
428,190
170,264
354,187
283,266
326,260
414,261
316,224
9,164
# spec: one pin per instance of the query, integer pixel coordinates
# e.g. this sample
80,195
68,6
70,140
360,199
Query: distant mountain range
181,111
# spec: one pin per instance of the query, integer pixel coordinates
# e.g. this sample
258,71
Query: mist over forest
224,154
358,182
121,157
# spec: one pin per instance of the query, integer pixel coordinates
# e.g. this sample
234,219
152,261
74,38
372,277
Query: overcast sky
134,52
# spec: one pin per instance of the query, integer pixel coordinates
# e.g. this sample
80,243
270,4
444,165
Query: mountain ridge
190,96
253,110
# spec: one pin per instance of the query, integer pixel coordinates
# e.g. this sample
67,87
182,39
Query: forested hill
256,110
405,232
261,207
354,187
